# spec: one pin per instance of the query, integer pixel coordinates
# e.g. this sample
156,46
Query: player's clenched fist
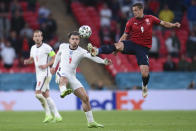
43,66
177,24
26,62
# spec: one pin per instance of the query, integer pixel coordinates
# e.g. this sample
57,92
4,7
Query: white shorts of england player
43,83
73,81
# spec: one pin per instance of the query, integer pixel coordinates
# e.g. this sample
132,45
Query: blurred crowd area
172,49
18,20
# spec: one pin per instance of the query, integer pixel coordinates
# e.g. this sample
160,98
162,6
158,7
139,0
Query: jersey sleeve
155,20
95,59
128,27
57,58
31,52
50,51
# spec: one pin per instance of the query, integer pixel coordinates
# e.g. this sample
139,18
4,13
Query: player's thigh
47,84
129,47
40,83
43,83
142,55
74,82
63,81
46,94
63,77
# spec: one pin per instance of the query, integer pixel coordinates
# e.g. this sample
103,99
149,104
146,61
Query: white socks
89,116
62,88
44,103
52,107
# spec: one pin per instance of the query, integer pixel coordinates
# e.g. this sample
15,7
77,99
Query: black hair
139,5
73,33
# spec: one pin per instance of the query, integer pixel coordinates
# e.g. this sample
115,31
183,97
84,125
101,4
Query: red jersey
140,30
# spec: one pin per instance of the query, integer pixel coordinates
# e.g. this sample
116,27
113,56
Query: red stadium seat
24,5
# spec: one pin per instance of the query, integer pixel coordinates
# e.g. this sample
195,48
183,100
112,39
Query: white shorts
43,83
73,81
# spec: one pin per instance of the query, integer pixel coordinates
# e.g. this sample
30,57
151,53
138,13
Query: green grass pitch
112,120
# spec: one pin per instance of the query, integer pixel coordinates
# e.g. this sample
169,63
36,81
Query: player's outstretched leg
145,78
81,93
104,49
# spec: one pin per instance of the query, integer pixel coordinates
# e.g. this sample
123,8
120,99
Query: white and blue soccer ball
85,31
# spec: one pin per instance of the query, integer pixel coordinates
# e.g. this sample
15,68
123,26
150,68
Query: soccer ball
85,31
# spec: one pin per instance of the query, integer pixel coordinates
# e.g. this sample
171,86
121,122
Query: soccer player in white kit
39,54
69,55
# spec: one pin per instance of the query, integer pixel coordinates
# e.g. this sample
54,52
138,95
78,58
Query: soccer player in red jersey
137,40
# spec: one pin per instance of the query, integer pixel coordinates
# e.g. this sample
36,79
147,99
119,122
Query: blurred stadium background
115,87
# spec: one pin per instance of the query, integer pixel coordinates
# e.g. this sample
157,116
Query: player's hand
119,46
107,61
177,25
26,62
52,70
43,66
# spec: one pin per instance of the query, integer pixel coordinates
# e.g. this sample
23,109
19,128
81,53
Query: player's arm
28,61
98,59
164,23
56,61
123,37
127,31
170,25
52,55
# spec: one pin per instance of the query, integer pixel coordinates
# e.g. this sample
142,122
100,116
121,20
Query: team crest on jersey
70,52
147,21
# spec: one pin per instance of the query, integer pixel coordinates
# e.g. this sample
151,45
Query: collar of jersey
73,49
141,18
39,46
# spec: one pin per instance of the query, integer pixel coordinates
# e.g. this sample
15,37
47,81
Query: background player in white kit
69,55
39,54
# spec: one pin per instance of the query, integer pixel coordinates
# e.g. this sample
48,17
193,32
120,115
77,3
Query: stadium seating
29,16
121,63
88,16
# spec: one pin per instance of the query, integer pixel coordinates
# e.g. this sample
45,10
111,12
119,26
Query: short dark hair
73,33
139,5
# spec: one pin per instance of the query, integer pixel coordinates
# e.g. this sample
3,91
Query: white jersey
41,57
69,59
